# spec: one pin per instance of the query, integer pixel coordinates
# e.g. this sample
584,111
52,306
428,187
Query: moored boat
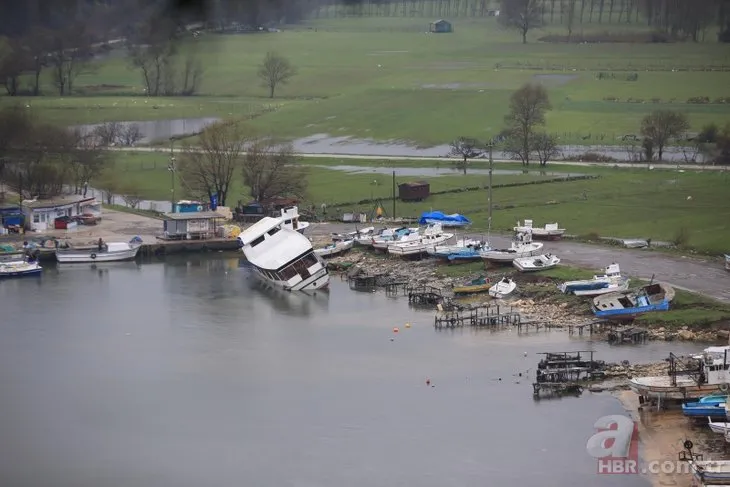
700,409
502,288
521,246
536,263
627,305
443,251
283,256
551,231
479,285
335,248
104,252
19,268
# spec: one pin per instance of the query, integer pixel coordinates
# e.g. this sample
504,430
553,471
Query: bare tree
545,147
466,148
131,198
275,70
271,170
521,15
13,63
569,8
70,55
130,135
527,111
662,125
209,167
151,48
108,133
192,76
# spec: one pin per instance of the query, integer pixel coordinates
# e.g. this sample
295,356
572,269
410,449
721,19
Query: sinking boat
290,217
335,248
536,263
627,305
479,285
106,252
503,288
610,281
283,256
688,378
701,409
19,268
446,221
551,231
521,246
416,244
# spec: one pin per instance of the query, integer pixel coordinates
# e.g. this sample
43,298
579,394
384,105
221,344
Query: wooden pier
425,295
556,389
627,334
562,372
488,316
591,327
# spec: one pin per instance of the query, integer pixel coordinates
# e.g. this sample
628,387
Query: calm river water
189,373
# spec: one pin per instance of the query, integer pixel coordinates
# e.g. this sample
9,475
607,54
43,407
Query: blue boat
700,409
627,305
465,255
19,268
713,399
454,220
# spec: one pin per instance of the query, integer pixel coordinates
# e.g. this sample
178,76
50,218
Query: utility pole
491,166
394,198
171,168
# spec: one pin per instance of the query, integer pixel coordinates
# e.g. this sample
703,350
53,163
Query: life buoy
724,387
93,255
200,208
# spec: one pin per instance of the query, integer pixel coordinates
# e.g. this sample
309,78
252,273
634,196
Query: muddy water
157,130
448,170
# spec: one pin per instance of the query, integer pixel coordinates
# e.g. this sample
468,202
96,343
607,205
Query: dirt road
700,274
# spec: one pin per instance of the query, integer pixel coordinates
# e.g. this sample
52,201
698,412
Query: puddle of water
555,79
457,86
154,130
433,171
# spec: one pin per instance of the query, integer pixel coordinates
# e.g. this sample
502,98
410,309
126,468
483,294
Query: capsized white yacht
521,246
283,256
433,235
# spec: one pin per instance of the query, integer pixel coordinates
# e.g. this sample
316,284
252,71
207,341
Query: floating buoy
428,382
391,339
525,354
395,330
408,325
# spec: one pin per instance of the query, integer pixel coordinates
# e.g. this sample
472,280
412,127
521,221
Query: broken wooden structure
488,316
425,295
627,334
563,371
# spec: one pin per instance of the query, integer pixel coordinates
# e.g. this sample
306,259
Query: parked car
61,223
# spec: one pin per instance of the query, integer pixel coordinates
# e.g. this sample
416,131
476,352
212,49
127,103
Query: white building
41,214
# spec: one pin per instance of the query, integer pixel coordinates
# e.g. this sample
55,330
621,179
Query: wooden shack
414,191
190,226
440,26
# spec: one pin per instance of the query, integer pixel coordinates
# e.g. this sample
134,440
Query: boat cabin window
287,273
309,260
273,231
254,243
287,222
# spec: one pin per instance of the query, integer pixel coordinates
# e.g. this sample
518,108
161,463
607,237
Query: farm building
440,26
417,191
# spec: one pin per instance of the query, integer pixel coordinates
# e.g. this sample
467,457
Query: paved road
700,274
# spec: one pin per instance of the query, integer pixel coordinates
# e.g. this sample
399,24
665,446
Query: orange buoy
395,330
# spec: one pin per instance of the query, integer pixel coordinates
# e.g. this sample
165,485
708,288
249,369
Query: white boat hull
93,255
338,248
537,263
612,288
317,281
502,289
662,387
719,427
509,255
417,247
19,269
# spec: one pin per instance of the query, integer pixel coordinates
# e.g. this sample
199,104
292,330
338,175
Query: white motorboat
106,252
536,263
711,374
722,427
461,244
711,472
433,235
610,281
502,288
364,233
290,216
398,235
283,256
522,246
551,231
19,268
335,248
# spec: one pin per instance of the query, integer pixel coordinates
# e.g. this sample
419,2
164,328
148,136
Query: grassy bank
385,78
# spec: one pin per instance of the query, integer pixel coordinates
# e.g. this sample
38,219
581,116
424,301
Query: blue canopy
437,216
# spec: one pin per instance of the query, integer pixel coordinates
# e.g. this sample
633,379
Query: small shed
40,215
441,26
190,226
415,191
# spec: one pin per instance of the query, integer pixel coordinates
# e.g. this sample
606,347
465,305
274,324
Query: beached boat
107,252
290,216
536,263
627,305
521,246
447,221
711,472
367,239
700,409
443,251
361,233
282,256
19,268
611,281
469,254
551,231
479,285
727,262
393,235
335,248
433,235
711,374
721,427
503,288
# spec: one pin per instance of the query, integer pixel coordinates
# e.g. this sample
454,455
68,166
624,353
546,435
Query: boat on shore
401,234
19,268
432,236
479,285
361,233
454,220
443,251
627,305
704,409
720,427
551,231
335,248
104,252
689,378
502,288
521,246
283,256
536,263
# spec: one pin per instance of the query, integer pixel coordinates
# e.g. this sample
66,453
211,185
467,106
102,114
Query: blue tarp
437,216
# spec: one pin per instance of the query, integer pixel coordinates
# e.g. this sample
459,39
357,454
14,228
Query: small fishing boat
433,235
711,472
469,254
537,263
443,251
19,268
551,231
335,248
503,288
380,242
727,262
721,427
699,409
478,285
105,252
627,305
361,233
609,281
521,246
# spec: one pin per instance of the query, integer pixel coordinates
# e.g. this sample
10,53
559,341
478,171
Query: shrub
610,98
708,134
632,77
656,100
681,237
698,100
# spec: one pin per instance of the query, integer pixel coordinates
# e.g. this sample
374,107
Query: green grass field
629,203
385,78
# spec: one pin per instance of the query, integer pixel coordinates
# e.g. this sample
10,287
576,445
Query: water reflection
448,170
155,130
285,302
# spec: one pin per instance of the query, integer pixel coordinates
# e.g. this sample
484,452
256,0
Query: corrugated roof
196,215
71,199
